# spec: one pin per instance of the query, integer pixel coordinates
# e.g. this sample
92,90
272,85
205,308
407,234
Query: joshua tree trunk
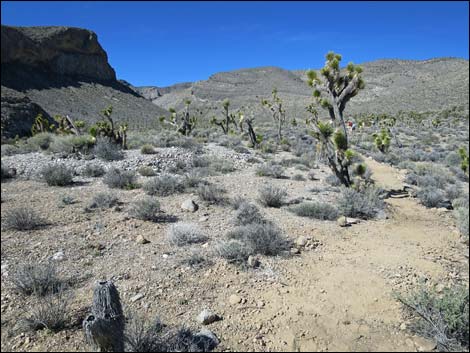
104,327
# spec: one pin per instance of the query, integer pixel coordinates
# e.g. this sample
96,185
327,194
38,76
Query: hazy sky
161,43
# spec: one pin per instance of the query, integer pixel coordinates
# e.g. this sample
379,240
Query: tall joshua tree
332,91
278,112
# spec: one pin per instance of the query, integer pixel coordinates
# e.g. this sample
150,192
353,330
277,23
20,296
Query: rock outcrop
61,50
63,71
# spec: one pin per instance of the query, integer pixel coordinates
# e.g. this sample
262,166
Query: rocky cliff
62,71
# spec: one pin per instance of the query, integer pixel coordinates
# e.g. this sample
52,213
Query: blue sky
161,43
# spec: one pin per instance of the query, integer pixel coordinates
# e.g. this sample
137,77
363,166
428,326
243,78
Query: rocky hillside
391,86
62,70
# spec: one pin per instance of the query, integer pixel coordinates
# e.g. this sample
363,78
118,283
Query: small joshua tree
463,159
227,120
184,123
254,138
106,128
332,93
275,105
382,141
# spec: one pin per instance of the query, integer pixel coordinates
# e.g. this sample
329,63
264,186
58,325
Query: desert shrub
453,159
271,196
147,171
10,150
67,200
316,210
234,251
23,218
462,220
147,149
247,213
193,179
103,200
200,162
196,258
270,170
93,170
144,336
50,313
443,318
145,209
120,179
222,166
332,180
36,278
40,141
363,204
57,175
301,167
164,185
211,193
431,197
181,234
262,238
298,177
5,172
453,192
70,144
237,201
107,150
462,201
178,168
311,175
268,147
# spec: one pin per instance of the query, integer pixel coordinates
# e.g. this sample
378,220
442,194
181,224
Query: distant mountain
391,85
65,71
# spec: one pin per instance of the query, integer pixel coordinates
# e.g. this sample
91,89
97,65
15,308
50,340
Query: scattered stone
136,297
260,304
381,215
352,220
190,205
206,340
253,262
58,256
141,240
342,221
301,241
203,219
234,299
403,327
207,317
294,251
424,345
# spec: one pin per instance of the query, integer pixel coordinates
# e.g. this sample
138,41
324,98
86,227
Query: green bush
164,185
316,210
364,204
57,175
272,196
121,179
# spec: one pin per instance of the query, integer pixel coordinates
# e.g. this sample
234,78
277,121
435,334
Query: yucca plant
382,141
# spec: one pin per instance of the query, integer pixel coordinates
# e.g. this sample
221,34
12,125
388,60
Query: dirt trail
341,297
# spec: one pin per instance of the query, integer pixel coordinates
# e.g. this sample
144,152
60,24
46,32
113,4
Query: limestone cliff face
61,50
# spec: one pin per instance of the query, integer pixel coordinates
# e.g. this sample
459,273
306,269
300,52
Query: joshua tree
254,139
463,159
185,123
227,120
277,111
105,128
332,93
382,141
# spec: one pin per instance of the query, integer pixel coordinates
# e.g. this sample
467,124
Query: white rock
58,256
207,317
137,297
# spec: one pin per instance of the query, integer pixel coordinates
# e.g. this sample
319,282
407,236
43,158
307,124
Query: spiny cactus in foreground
275,105
332,93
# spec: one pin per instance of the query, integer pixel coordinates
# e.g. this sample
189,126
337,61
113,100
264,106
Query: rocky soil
334,292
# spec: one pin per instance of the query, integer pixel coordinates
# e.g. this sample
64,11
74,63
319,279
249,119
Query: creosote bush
316,210
145,209
37,278
272,196
93,170
270,170
164,185
23,218
50,313
211,193
363,204
247,213
108,151
442,318
57,175
120,179
181,234
103,200
147,149
147,171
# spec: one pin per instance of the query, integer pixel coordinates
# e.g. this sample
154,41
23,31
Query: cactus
332,93
382,141
275,105
105,128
